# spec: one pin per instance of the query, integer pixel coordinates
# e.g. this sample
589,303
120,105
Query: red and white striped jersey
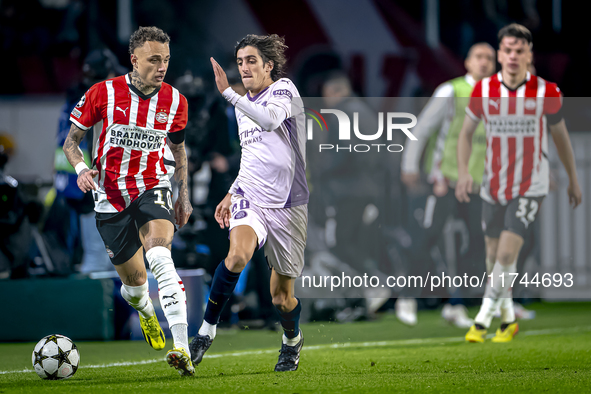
129,149
516,134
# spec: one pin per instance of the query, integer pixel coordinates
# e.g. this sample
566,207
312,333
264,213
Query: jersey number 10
160,200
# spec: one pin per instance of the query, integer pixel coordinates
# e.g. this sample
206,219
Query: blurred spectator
352,188
71,216
352,179
16,216
37,36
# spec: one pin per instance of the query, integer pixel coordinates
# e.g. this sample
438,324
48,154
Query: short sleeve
88,110
180,118
553,99
474,108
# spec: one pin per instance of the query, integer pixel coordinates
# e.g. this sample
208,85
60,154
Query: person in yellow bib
437,131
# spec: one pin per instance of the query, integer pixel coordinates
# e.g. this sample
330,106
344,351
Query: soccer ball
55,357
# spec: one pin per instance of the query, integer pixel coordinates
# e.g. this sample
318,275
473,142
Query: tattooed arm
75,157
182,207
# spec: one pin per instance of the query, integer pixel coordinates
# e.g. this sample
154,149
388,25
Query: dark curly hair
271,48
143,34
517,31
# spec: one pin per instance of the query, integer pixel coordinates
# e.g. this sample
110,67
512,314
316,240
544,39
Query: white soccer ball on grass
55,357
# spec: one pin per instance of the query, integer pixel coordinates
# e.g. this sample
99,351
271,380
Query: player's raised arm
268,116
221,80
76,158
464,185
567,157
182,207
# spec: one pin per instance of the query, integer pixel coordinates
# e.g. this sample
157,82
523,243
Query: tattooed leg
136,276
153,242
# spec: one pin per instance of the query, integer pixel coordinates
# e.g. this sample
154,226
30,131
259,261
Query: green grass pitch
551,354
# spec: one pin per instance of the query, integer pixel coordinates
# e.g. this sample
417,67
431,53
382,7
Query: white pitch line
399,342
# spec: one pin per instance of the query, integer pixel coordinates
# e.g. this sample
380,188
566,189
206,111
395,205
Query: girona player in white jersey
517,109
267,204
140,115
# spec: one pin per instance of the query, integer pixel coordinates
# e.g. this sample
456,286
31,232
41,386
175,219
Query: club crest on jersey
530,104
110,252
81,102
161,117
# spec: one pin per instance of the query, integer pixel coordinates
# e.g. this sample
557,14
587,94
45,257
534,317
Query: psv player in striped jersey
517,109
135,116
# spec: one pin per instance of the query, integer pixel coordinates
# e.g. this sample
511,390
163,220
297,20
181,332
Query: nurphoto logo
391,119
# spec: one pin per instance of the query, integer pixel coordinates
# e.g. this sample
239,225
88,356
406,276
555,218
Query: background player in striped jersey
269,198
140,114
517,109
439,124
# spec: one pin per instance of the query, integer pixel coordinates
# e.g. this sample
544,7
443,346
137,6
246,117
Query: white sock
208,329
489,265
506,294
495,295
486,313
180,337
139,298
293,341
507,310
170,287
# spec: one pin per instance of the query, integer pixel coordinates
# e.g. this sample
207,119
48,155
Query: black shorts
120,231
517,216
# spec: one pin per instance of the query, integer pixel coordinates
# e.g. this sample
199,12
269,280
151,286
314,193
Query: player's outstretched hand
221,80
222,211
182,211
574,194
464,187
85,181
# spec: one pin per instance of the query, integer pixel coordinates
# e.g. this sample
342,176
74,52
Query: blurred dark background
44,42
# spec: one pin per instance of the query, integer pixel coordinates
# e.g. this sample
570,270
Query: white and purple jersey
273,140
